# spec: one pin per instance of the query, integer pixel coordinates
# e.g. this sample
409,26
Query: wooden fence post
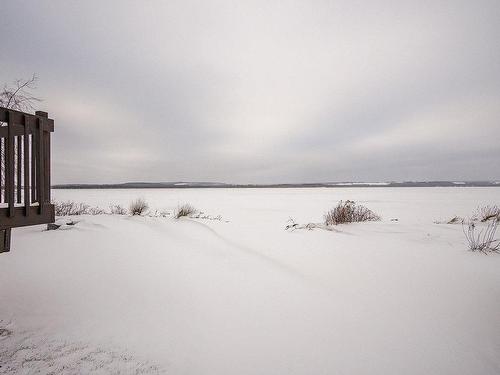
5,240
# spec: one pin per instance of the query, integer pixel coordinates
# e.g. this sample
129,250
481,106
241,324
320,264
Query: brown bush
349,212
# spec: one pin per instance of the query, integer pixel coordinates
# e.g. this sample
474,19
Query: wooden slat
4,161
5,240
9,181
33,166
26,160
17,118
19,220
40,166
1,170
18,169
19,129
46,159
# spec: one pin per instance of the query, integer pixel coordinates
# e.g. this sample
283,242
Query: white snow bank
248,297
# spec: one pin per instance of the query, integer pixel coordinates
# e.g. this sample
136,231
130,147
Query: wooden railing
24,171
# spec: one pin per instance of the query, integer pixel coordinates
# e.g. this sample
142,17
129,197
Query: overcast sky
262,92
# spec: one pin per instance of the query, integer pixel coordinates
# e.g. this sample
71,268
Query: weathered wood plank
17,117
26,160
5,240
40,166
16,130
19,220
19,157
2,171
46,148
33,166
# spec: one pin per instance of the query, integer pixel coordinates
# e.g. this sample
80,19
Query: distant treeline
194,185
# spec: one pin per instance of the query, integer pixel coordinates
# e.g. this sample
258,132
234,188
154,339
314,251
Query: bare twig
18,96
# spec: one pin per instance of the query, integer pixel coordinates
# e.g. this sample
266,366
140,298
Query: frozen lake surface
241,295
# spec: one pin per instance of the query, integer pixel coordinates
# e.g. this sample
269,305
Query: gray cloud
265,91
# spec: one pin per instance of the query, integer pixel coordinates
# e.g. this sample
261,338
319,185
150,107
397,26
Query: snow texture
121,294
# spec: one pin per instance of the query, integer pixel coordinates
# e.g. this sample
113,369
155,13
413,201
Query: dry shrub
349,212
116,209
96,211
70,208
484,241
138,206
185,210
486,213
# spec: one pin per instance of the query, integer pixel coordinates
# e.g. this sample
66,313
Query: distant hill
193,185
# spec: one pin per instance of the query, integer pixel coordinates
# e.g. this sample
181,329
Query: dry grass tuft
349,212
138,206
484,241
184,210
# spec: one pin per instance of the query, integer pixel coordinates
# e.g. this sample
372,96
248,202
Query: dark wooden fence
24,171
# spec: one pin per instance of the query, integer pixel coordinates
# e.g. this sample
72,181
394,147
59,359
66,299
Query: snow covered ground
240,295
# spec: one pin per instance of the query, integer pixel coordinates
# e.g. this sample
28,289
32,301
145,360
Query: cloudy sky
262,91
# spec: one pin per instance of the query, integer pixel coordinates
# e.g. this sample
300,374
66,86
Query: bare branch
18,96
